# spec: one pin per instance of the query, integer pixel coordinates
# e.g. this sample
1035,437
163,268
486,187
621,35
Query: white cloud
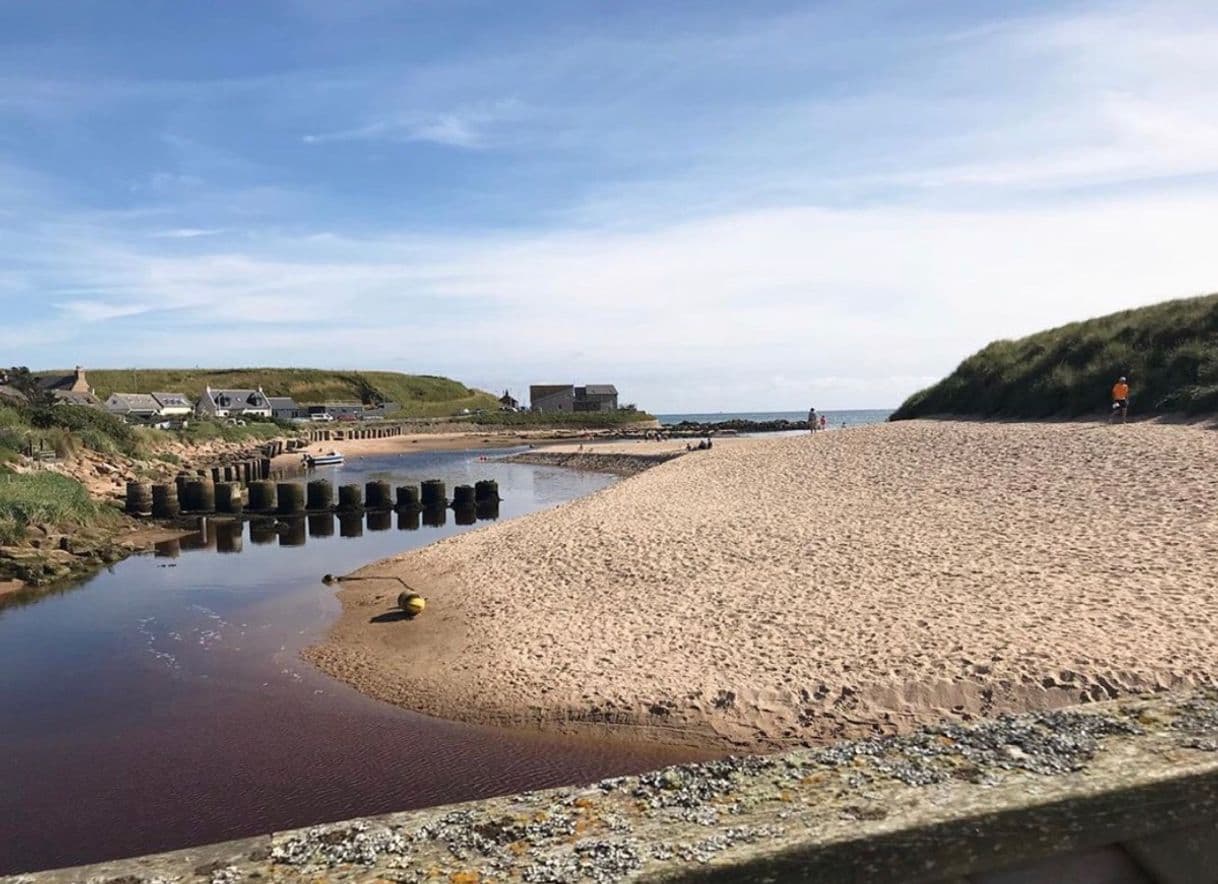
466,127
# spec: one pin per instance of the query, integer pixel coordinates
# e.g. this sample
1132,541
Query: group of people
816,422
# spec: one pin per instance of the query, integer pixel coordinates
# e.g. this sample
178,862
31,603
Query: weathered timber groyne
1130,787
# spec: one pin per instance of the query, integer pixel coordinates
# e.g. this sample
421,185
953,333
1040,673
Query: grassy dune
1169,352
419,395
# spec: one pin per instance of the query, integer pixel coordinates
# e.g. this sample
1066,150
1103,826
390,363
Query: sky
716,206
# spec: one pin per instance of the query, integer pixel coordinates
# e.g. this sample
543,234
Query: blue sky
716,206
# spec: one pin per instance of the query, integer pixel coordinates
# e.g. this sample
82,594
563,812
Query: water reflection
350,525
262,532
228,535
321,525
292,532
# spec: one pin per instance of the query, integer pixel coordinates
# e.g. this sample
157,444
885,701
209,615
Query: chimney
79,384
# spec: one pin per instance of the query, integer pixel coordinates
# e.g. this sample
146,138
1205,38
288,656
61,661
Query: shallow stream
163,703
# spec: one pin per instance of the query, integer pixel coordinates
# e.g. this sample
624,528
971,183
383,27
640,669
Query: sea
854,417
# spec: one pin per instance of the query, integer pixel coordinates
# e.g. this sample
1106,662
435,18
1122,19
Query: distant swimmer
1120,400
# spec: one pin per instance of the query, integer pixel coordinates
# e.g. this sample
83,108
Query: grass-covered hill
1168,351
419,395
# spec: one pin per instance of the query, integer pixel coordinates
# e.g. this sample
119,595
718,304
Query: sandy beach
795,590
448,440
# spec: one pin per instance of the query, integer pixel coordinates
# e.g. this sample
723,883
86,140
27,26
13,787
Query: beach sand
801,589
455,440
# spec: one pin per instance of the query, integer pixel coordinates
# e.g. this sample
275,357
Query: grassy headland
419,395
1169,352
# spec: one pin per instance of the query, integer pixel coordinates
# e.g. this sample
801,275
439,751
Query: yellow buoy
412,603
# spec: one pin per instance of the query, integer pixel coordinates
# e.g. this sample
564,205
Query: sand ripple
779,591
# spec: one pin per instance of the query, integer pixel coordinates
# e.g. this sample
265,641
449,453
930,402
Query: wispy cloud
468,127
186,232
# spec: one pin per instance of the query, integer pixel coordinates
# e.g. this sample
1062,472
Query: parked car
322,418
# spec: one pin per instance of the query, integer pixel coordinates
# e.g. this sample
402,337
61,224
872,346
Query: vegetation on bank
583,420
418,395
1168,351
46,498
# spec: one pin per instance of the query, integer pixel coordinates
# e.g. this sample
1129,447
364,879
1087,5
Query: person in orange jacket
1120,400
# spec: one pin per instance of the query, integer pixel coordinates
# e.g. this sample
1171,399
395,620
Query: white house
173,404
233,403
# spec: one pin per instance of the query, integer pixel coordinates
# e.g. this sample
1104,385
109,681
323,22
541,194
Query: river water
163,703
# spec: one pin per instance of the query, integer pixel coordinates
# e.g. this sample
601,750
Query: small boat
333,459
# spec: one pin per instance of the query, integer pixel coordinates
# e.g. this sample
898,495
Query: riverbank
63,519
802,589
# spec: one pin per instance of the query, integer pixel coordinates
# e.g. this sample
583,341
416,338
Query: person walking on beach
1120,400
824,422
812,420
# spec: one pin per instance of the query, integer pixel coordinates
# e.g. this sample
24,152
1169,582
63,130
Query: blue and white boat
333,459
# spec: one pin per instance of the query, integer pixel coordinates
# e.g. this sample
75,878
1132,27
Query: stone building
554,398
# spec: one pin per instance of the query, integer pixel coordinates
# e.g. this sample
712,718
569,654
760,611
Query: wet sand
801,589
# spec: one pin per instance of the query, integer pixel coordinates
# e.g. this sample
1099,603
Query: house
552,397
133,406
173,404
65,383
568,397
507,403
596,397
233,403
71,388
284,408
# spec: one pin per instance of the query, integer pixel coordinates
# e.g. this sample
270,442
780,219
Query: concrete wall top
946,803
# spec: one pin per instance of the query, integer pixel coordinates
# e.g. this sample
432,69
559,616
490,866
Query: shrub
45,497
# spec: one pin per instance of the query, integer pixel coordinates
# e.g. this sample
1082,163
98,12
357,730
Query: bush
97,429
45,497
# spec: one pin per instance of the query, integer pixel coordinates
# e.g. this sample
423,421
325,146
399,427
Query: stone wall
1120,791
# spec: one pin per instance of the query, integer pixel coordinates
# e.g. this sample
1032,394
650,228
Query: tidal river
163,703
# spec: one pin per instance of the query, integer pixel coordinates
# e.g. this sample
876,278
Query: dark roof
600,390
281,402
171,399
134,401
77,397
55,381
239,398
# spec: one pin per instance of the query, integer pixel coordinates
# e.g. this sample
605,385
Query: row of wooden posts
347,433
191,494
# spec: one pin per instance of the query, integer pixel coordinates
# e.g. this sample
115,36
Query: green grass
206,431
419,395
586,420
1168,351
46,498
